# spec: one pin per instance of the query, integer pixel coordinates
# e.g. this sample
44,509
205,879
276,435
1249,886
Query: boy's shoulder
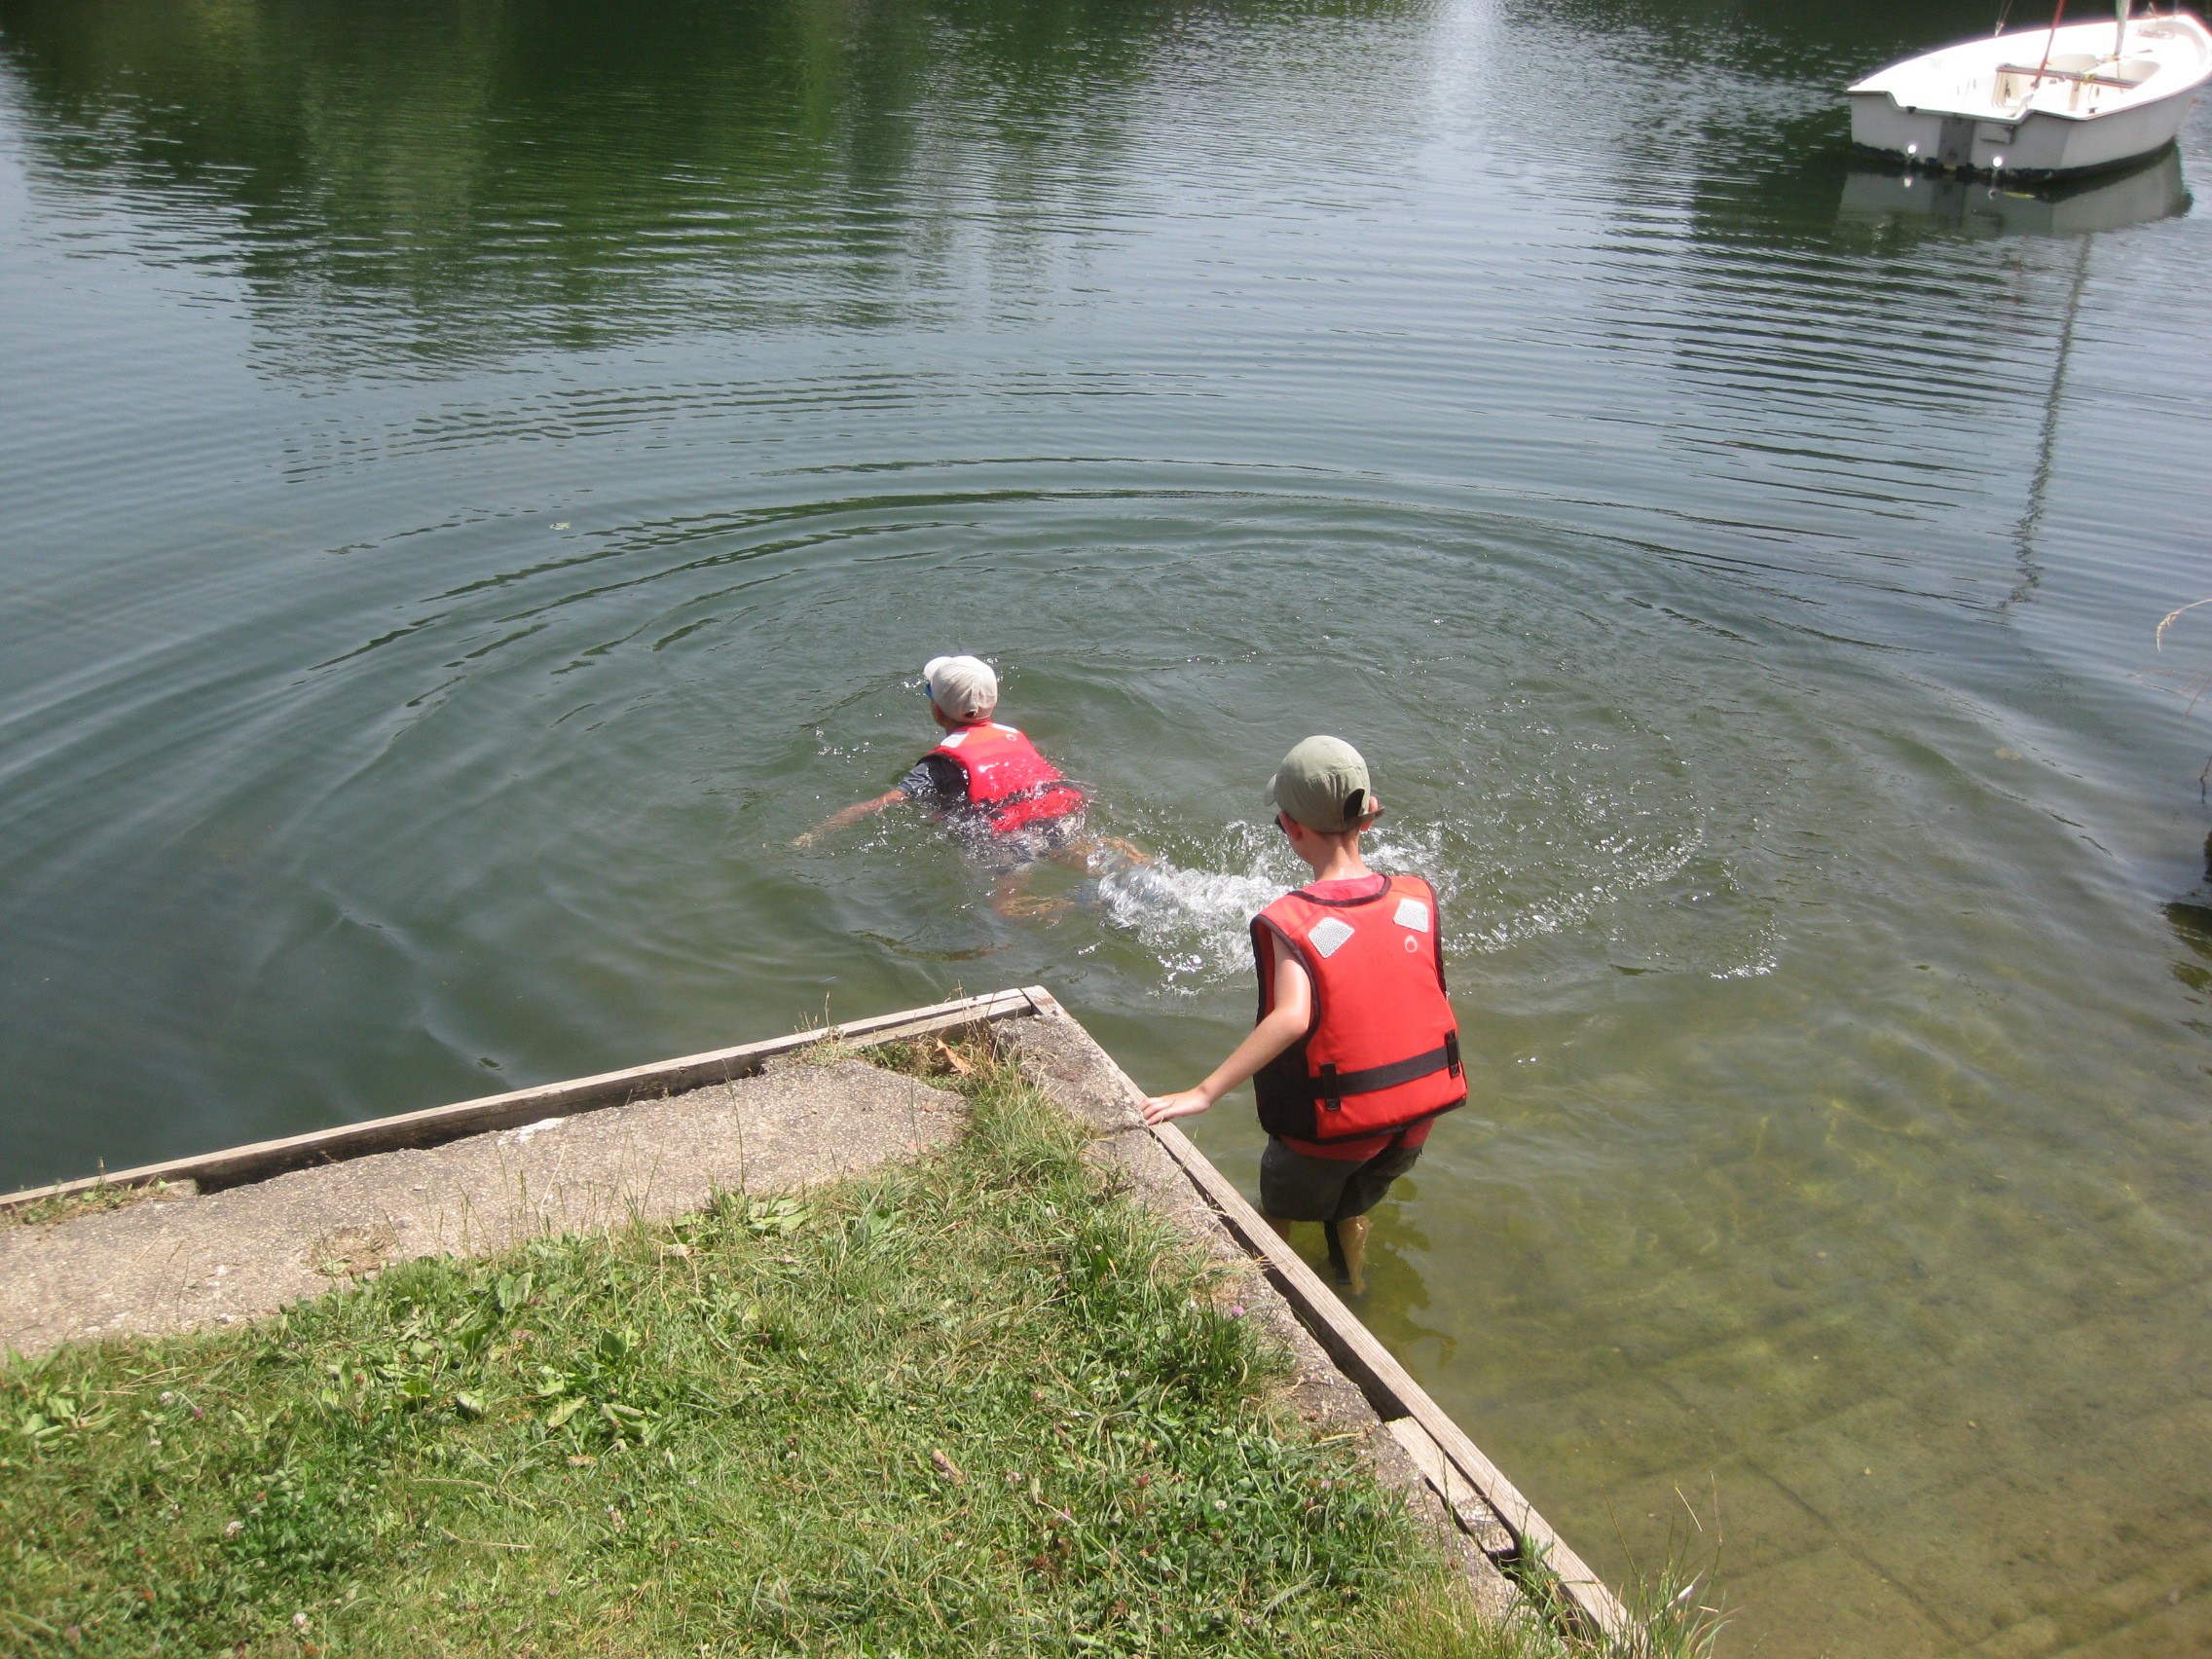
935,777
1370,884
1357,890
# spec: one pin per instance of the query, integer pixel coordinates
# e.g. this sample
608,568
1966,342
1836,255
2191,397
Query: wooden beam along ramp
1453,1465
1439,1448
238,1165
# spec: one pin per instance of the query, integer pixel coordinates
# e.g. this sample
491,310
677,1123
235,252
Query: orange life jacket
1382,1050
1009,783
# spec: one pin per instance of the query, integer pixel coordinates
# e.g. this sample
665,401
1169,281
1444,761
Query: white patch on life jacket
953,739
1328,936
1412,913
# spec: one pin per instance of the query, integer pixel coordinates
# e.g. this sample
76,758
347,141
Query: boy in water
989,786
1357,1051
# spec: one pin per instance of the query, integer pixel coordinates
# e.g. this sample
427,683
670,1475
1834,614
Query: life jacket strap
1331,1085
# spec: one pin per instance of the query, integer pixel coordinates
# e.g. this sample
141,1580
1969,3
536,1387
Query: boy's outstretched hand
1283,1026
1159,1108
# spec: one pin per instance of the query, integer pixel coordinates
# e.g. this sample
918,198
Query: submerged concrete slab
177,1263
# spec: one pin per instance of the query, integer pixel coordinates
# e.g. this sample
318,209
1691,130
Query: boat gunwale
2192,33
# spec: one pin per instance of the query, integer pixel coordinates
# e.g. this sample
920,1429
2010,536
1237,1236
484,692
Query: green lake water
476,480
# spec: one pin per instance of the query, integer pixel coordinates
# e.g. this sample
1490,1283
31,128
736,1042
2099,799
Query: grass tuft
90,1201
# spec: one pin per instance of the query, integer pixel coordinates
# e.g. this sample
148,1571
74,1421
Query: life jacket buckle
1452,1053
1327,1090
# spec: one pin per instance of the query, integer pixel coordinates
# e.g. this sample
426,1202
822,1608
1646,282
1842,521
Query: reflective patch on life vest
1328,936
953,740
1412,913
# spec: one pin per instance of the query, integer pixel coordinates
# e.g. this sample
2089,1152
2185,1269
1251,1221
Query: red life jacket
1382,1050
1009,783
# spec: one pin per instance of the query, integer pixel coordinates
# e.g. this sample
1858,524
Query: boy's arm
849,815
1283,1025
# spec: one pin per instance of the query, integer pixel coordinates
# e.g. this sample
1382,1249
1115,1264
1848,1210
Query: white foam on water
1764,957
1196,921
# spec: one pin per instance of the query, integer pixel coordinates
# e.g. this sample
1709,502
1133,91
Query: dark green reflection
489,176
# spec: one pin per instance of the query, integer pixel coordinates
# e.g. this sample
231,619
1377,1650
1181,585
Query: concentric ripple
477,482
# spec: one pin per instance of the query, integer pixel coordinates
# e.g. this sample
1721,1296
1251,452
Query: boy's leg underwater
1010,896
1078,855
1347,1250
1282,1225
1011,899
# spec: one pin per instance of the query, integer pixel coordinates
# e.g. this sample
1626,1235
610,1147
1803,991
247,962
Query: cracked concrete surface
179,1262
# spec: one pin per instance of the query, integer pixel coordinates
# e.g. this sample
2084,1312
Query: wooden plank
1388,1386
436,1125
1476,1518
1392,1388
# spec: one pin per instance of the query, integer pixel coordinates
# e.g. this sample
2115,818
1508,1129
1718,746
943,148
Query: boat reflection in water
1977,207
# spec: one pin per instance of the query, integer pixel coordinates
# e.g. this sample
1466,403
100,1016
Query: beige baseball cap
1323,785
963,687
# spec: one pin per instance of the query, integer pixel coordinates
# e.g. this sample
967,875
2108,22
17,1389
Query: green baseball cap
1323,785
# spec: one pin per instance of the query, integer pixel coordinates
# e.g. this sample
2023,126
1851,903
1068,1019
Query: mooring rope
2049,41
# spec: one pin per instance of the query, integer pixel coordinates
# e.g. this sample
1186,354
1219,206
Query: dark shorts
1296,1187
1023,845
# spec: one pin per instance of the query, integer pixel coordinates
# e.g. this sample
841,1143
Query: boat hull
2040,146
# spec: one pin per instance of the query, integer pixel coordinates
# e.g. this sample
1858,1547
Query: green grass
68,1207
976,1405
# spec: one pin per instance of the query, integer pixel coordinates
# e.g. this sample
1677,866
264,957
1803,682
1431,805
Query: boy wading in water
989,786
1356,1049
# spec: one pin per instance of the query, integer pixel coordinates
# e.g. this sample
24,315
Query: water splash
1193,920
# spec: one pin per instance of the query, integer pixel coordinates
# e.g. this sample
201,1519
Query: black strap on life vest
1332,1085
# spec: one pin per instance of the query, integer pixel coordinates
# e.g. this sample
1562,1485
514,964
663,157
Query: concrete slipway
236,1235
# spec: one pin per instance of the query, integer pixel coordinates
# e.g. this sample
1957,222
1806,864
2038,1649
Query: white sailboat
2039,103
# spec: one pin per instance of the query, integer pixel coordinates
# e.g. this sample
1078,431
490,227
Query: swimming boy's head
963,689
1322,787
